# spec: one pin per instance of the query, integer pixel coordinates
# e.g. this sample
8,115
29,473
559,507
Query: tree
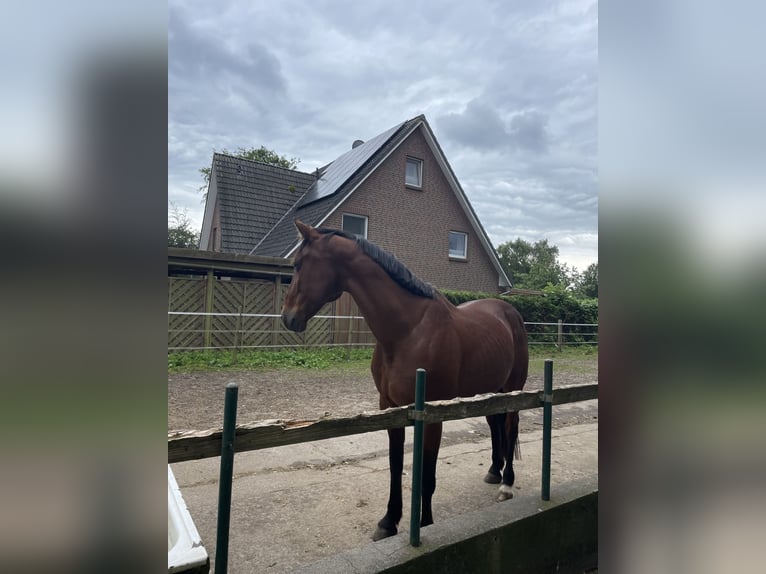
534,265
261,154
587,283
180,233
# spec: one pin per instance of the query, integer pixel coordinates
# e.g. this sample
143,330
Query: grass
319,358
575,358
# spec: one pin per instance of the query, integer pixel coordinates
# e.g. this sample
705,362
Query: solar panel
338,172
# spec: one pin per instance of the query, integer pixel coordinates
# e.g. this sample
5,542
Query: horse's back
496,308
495,316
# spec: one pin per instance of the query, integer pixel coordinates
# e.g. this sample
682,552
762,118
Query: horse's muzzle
292,322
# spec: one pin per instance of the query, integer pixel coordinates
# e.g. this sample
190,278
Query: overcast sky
509,88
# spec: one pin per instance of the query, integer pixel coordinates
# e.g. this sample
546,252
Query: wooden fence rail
193,445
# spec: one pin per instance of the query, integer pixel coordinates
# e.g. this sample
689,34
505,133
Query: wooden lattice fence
186,294
221,315
213,300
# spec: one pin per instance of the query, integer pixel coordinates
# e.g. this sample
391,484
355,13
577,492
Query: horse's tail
517,449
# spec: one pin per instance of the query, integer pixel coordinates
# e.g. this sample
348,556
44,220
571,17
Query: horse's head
316,279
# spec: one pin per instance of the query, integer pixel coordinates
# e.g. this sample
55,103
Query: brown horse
477,347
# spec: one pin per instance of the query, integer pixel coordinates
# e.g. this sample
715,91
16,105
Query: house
396,189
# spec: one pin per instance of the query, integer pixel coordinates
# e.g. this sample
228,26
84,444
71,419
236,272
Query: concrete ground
297,504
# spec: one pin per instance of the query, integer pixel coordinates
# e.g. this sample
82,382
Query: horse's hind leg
432,437
512,434
497,431
387,525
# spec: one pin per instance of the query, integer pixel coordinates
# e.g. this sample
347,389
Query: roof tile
253,196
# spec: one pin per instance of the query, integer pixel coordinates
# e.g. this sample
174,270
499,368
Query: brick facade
414,224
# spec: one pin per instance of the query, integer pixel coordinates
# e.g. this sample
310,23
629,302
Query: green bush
555,303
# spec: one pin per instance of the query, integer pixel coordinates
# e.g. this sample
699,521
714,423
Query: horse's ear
307,232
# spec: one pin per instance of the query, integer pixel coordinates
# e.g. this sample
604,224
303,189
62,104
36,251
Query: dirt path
195,400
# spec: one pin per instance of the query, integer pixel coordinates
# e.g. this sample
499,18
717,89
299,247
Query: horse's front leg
387,525
432,437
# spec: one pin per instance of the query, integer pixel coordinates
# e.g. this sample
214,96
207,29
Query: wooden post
560,344
209,286
277,309
245,340
171,293
237,340
349,334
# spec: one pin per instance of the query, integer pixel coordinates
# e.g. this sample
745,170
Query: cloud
214,87
509,90
197,57
528,130
478,126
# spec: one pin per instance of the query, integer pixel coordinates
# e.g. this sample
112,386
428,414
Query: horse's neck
390,310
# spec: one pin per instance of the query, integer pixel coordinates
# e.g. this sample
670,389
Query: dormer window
414,175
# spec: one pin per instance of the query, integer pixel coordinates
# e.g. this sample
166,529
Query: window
458,244
356,224
414,176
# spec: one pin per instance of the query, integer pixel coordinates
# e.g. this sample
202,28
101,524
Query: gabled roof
252,197
335,184
258,203
315,206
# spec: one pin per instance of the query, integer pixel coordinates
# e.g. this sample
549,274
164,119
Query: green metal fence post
547,423
417,457
227,471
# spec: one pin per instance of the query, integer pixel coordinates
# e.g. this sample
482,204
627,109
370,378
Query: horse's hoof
381,533
506,492
492,478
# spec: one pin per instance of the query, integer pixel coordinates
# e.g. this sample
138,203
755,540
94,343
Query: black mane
397,270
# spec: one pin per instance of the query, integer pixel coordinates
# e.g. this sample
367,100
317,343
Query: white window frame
465,245
419,163
354,215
